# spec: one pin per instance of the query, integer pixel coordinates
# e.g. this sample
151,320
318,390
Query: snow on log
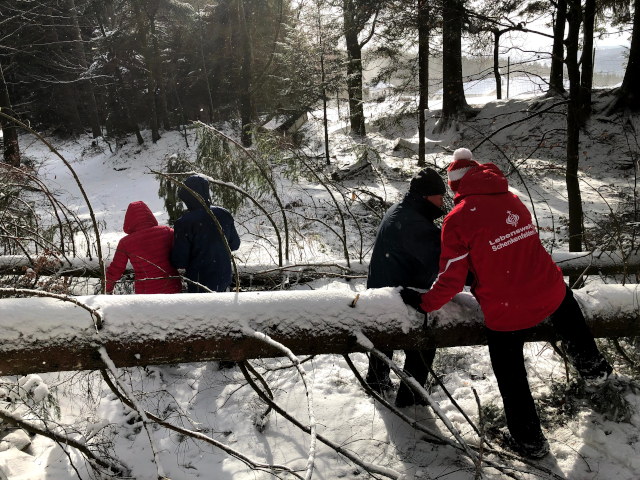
45,334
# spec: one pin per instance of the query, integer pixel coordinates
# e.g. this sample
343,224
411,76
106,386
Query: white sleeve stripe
449,263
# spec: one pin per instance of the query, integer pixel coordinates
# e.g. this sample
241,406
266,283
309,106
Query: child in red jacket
147,246
490,233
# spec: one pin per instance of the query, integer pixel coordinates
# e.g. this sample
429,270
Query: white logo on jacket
512,219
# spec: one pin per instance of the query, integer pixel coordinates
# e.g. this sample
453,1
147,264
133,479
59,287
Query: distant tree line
112,67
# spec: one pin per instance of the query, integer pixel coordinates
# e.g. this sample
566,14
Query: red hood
138,216
485,179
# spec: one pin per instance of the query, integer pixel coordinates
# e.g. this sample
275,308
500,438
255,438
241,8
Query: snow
218,404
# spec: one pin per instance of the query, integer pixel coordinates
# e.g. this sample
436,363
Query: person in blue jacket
198,246
405,254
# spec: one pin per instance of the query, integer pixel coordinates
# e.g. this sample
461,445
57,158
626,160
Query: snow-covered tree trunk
48,334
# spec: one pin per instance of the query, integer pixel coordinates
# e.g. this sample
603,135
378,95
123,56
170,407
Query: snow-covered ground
218,403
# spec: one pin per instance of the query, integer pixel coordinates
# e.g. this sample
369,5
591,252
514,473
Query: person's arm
233,238
422,250
228,227
117,267
454,267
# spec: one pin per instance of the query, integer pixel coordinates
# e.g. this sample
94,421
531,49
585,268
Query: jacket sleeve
229,228
454,267
233,238
423,251
181,245
117,267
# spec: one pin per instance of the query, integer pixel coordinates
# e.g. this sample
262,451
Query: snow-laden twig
145,420
17,420
94,222
265,174
296,362
95,314
365,343
254,465
368,467
460,445
434,437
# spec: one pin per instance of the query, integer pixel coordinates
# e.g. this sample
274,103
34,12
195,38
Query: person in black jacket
198,246
405,254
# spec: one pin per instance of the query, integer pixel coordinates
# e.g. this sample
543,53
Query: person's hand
412,298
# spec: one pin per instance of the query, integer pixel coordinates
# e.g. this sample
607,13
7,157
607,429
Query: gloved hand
412,298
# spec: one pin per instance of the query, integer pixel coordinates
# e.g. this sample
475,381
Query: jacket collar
424,206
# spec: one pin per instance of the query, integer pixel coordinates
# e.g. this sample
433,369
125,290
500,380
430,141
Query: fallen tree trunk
45,334
254,276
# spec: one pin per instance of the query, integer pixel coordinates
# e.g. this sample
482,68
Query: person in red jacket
489,233
147,246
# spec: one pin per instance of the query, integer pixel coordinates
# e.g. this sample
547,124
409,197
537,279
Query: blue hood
200,186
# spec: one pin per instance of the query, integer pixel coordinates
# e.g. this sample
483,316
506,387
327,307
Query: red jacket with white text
147,246
490,233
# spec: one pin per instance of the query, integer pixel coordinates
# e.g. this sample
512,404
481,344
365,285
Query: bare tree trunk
628,95
205,70
556,77
586,60
325,119
246,100
144,30
67,102
496,63
423,76
9,131
354,71
454,102
117,93
160,96
87,86
573,129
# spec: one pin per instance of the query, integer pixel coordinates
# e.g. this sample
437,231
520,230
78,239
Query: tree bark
144,30
604,263
454,102
245,97
496,63
145,329
556,77
86,85
586,60
354,68
573,129
423,76
67,99
9,131
628,95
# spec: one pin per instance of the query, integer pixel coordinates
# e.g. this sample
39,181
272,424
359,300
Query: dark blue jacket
198,246
407,247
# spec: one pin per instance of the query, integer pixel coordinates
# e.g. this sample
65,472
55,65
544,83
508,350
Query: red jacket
147,246
490,233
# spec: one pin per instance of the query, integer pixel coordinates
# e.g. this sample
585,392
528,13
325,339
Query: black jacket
198,246
407,246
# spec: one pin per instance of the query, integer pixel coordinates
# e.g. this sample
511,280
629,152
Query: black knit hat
427,182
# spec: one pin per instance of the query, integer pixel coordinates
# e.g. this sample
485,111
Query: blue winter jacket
407,246
198,246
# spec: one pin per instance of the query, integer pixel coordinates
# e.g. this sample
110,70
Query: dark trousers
417,363
507,360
